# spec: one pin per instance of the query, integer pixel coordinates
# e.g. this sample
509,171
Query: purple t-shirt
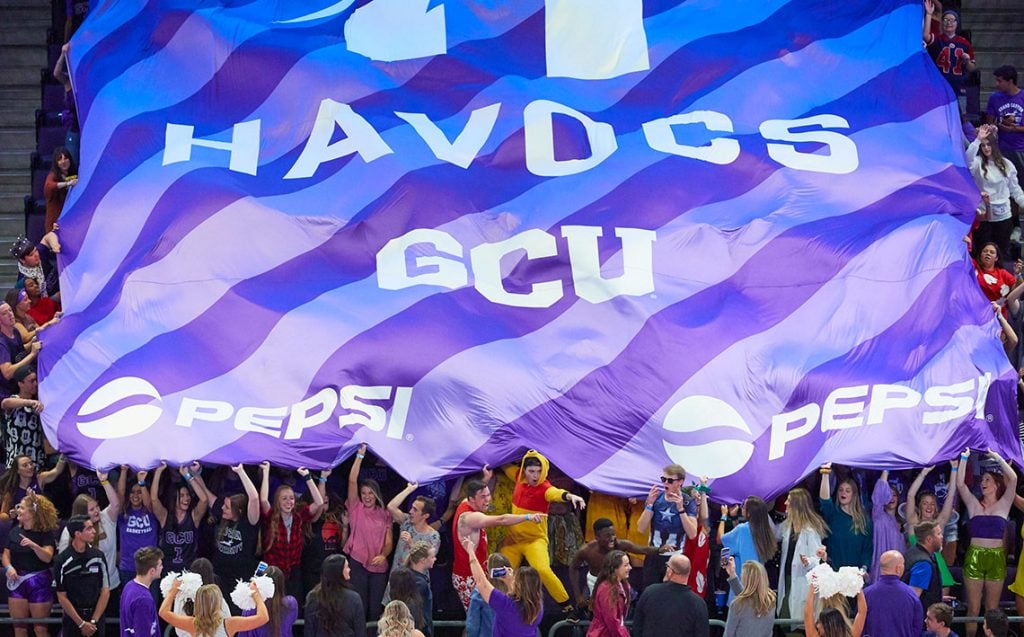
507,621
290,612
136,529
999,106
138,612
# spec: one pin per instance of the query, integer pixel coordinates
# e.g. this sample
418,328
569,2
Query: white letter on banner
372,417
721,150
244,146
540,140
841,159
486,260
837,415
952,399
391,30
590,40
467,145
781,433
984,383
302,416
637,263
885,397
265,421
393,274
208,410
361,138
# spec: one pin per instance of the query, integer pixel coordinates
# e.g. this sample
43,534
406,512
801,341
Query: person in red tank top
471,521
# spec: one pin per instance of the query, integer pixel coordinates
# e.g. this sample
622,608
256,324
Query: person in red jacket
611,597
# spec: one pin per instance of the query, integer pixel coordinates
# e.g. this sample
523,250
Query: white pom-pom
190,583
265,586
851,580
824,580
242,595
165,583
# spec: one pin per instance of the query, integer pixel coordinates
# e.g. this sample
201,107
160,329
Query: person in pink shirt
370,538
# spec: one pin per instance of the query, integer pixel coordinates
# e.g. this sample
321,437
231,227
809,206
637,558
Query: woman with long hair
611,597
985,561
752,612
850,541
996,177
327,536
516,614
236,538
62,177
27,559
402,585
754,539
923,506
995,281
22,477
181,517
396,621
831,622
24,323
332,608
801,533
480,617
282,608
286,525
105,523
887,535
209,618
204,569
370,539
137,527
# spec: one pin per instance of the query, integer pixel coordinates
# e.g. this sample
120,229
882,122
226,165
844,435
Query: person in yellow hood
532,494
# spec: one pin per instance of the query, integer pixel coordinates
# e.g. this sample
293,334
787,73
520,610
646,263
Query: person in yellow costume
532,494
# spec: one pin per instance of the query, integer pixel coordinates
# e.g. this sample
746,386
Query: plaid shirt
286,552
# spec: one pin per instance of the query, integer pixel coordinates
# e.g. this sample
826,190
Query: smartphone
501,571
261,568
726,554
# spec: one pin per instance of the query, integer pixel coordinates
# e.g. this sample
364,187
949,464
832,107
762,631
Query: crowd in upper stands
359,544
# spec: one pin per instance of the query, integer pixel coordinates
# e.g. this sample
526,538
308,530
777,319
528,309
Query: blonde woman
397,621
851,536
752,612
802,533
208,618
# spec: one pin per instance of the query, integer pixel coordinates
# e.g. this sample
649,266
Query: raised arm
825,490
947,506
353,474
702,504
147,502
862,614
453,504
158,508
253,510
46,477
809,618
397,514
234,625
181,622
483,585
970,501
193,477
915,486
122,482
114,501
317,507
1009,475
265,486
644,523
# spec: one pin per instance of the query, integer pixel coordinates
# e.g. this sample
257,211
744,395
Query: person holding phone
670,518
480,616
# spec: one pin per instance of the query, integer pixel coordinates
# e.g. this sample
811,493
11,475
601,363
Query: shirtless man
470,521
593,553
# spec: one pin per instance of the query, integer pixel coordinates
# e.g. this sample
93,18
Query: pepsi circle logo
96,421
714,459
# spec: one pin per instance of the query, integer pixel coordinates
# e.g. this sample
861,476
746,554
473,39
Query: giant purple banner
626,233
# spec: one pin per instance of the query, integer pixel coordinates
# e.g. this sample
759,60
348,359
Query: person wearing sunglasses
670,517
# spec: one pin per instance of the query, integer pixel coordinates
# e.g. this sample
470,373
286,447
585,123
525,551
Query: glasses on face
667,480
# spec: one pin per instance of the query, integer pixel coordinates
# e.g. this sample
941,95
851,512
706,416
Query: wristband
360,455
824,471
142,483
188,477
649,507
702,488
322,479
954,469
308,477
104,481
7,568
82,624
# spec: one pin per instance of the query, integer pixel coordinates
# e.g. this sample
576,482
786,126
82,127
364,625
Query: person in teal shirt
850,542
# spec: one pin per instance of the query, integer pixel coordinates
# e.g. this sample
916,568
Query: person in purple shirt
894,609
137,526
888,537
1005,109
516,615
138,610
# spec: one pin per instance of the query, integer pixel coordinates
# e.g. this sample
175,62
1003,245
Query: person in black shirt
81,581
27,559
235,538
671,608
